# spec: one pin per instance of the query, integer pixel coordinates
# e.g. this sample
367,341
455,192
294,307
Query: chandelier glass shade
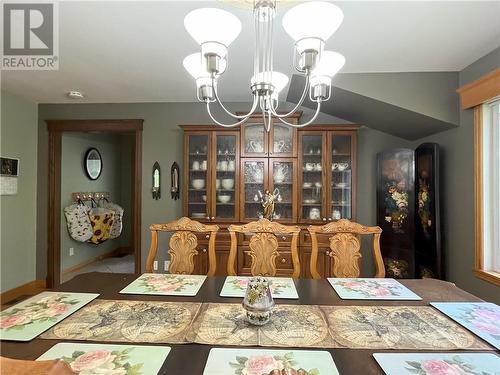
309,24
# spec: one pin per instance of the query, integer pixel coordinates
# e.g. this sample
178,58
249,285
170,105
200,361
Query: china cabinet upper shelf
227,170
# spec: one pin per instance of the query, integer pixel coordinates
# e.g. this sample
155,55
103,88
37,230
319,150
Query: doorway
67,133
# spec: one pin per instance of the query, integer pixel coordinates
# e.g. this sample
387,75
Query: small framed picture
9,167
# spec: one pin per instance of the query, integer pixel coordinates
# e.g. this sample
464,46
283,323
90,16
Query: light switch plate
155,265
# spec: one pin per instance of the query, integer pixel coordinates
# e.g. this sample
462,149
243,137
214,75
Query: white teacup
223,165
342,166
309,166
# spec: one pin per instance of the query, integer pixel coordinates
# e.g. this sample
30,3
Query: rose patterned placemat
371,288
281,287
355,327
165,284
481,318
26,320
438,363
128,321
109,359
222,361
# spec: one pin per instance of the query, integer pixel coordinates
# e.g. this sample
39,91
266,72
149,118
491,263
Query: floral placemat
438,363
371,288
165,284
397,327
481,318
222,361
281,287
128,321
105,359
26,320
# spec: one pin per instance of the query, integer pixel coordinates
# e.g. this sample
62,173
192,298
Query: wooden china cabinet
227,169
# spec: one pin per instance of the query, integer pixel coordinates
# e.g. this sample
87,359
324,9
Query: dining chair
182,245
345,248
23,367
263,246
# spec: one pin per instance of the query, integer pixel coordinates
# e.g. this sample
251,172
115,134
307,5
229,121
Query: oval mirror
93,163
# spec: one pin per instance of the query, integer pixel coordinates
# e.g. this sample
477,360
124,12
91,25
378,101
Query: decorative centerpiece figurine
268,202
258,301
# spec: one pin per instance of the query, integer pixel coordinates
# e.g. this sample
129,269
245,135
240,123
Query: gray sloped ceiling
375,113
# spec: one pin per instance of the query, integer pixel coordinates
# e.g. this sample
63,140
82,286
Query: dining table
190,358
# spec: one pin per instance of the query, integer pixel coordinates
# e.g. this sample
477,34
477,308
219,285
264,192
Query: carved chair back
263,246
345,248
182,245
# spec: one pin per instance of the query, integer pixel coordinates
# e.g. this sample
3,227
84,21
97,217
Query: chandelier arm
234,124
219,101
318,108
301,100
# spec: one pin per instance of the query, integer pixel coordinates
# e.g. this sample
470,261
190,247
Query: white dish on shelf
310,201
198,183
307,184
198,215
228,183
342,184
224,198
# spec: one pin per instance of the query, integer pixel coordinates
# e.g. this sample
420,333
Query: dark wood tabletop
190,359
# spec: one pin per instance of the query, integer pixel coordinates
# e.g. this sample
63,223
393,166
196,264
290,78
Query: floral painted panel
103,359
165,284
439,363
260,361
26,320
481,318
281,287
371,288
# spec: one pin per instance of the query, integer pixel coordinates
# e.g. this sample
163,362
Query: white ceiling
125,51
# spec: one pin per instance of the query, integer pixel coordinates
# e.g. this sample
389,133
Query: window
487,150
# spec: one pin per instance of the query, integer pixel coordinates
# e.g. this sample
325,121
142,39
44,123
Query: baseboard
28,289
109,254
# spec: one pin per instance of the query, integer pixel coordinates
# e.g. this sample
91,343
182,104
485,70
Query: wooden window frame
475,94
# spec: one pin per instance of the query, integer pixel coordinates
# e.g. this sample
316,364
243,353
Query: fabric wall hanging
78,222
101,220
117,226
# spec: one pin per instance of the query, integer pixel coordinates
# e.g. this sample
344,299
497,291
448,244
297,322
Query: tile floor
122,264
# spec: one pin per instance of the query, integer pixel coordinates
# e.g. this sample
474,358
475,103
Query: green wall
162,142
115,174
457,194
18,212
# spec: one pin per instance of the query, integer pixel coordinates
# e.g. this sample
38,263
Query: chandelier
309,24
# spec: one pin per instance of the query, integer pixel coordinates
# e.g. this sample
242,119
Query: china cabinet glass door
197,175
254,139
340,200
225,196
253,187
282,142
311,182
281,182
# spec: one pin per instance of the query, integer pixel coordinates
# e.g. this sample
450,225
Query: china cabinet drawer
284,240
283,261
222,238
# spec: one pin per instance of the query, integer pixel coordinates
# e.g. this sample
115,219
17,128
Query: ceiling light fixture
309,24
